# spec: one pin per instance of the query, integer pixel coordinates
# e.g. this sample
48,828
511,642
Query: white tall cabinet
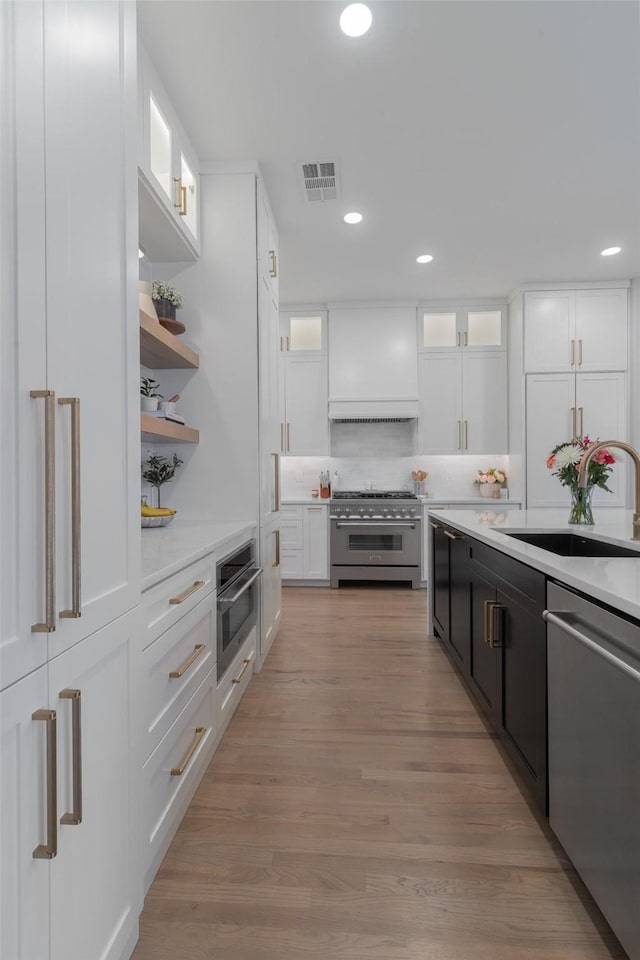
304,419
69,528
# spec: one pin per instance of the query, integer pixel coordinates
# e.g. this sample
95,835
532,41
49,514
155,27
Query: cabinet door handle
288,437
75,817
466,434
487,609
579,353
436,526
458,339
178,771
178,183
288,347
495,625
581,412
276,479
282,437
276,562
459,434
76,512
573,423
466,339
198,585
452,536
281,345
273,263
198,650
573,353
183,201
237,679
49,396
48,850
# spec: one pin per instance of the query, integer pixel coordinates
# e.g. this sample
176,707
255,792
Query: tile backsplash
449,476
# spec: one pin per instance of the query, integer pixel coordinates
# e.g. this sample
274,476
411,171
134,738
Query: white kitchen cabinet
81,896
271,432
70,555
304,424
463,402
169,194
271,588
303,332
580,330
268,266
467,328
305,542
561,406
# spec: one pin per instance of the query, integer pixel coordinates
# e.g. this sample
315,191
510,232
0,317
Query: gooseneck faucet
633,453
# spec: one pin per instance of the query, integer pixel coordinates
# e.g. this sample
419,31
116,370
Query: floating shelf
158,430
161,350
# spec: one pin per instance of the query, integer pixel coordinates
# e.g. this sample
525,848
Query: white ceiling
501,137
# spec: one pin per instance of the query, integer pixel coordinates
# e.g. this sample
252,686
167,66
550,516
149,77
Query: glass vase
581,511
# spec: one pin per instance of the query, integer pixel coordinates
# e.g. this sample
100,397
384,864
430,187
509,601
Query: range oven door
237,615
375,543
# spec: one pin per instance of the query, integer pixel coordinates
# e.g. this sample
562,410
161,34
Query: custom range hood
373,364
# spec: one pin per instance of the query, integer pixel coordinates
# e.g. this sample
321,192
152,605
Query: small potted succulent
149,397
167,300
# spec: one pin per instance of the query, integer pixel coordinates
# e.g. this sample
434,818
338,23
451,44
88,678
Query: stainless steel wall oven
237,580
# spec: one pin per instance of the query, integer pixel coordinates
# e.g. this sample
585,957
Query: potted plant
490,482
149,397
564,463
159,470
167,300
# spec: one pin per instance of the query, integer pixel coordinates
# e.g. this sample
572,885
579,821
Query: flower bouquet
564,463
490,481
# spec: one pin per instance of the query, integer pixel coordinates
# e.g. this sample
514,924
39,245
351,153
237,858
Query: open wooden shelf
158,430
161,350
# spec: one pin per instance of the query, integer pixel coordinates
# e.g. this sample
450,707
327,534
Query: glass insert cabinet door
461,327
303,332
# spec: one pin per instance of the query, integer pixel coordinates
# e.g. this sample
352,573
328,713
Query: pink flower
603,456
484,478
491,478
551,461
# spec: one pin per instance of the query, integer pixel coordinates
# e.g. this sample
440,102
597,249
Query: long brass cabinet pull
276,481
276,562
288,435
49,624
466,339
183,201
178,183
579,353
487,620
282,435
198,650
458,339
573,353
581,412
452,536
466,434
48,850
178,771
198,585
273,263
459,434
75,817
573,423
76,514
495,620
237,679
288,348
436,526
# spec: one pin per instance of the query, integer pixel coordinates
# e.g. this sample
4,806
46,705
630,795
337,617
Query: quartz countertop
165,550
612,580
286,501
485,501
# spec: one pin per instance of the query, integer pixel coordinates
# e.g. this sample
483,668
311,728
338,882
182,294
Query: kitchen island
548,645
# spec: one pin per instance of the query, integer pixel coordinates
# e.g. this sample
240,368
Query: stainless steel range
375,535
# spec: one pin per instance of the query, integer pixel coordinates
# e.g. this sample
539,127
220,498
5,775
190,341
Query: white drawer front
185,748
174,665
292,511
165,603
236,680
291,534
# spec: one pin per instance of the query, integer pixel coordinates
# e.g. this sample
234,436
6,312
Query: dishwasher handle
566,627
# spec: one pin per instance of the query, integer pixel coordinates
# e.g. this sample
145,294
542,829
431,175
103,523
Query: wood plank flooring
358,809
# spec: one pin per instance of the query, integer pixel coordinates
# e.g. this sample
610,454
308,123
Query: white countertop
485,501
613,580
165,550
319,501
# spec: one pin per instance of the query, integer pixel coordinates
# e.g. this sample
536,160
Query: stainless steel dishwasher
594,752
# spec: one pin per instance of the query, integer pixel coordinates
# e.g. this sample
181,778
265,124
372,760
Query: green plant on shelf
148,388
164,291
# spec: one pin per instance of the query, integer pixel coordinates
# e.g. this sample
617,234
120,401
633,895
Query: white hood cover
372,410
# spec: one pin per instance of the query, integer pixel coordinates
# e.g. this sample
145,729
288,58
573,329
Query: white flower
568,455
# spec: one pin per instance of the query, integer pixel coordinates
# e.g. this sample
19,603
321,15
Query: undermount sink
573,545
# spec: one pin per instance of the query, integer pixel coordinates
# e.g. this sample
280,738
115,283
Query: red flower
551,459
603,456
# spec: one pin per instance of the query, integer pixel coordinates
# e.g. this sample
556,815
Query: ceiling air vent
320,181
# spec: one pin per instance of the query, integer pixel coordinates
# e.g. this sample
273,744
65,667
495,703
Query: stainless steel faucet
633,453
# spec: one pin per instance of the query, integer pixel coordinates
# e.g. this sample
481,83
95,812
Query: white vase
148,404
145,301
490,490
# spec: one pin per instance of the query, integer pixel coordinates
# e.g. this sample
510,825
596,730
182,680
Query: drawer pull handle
244,667
48,850
453,536
75,817
198,585
180,672
178,771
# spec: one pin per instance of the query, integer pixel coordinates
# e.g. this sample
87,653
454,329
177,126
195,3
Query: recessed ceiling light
352,217
609,252
424,258
355,19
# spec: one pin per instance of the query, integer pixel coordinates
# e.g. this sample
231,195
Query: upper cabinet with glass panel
475,328
168,179
303,332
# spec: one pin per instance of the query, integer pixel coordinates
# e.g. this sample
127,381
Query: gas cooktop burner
373,495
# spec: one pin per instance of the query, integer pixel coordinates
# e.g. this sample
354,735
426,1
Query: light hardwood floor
358,809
